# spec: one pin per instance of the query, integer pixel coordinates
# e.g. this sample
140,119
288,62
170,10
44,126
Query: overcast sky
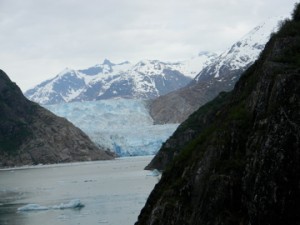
39,38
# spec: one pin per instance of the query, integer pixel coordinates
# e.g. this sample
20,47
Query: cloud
39,37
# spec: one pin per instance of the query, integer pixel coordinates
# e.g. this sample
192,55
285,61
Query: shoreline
66,164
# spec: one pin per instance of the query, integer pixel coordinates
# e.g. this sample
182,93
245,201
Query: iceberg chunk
154,173
73,204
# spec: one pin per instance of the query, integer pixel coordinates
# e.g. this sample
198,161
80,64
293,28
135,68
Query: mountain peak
217,74
107,62
241,54
66,70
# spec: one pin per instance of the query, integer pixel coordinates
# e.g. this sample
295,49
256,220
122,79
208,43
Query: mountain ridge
144,80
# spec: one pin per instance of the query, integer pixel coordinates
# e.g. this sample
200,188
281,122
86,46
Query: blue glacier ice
120,125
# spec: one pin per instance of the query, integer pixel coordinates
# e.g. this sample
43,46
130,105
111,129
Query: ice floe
32,207
73,204
154,173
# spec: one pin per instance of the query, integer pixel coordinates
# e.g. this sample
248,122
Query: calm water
113,192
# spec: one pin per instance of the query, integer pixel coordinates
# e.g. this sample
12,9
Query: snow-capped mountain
146,79
220,75
69,83
240,55
193,66
123,126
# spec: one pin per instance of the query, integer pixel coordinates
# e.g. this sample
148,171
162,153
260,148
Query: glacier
123,126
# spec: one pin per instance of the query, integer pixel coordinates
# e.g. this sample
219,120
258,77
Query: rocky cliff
30,134
238,158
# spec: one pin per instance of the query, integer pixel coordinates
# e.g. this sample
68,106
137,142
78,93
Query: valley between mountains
131,109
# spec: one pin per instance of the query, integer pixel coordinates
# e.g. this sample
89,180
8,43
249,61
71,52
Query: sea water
102,192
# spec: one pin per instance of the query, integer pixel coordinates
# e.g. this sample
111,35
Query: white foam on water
73,204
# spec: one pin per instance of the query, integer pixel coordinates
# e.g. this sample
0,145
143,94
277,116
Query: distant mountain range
146,79
220,75
176,89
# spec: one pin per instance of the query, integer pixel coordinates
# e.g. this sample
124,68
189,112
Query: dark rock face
176,106
238,158
30,134
186,132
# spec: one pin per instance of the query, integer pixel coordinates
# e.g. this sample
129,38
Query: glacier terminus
123,126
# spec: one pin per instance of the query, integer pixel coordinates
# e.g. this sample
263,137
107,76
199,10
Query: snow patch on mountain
120,125
194,65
